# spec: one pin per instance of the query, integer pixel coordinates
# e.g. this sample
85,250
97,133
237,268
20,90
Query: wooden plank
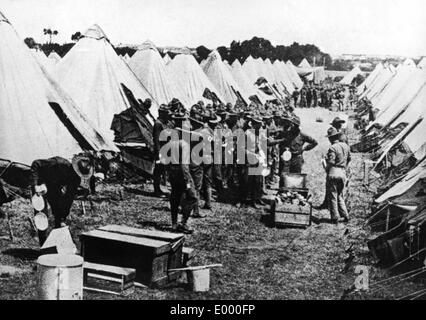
111,269
152,234
158,247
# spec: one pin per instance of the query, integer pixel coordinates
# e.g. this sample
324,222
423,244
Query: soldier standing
183,191
160,124
337,160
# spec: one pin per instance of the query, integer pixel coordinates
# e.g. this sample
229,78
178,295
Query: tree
30,42
76,36
50,33
202,53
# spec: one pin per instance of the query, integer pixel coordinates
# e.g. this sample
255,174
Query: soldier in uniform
57,180
196,165
183,191
160,124
337,160
296,142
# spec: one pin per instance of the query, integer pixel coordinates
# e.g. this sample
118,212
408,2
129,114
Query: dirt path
259,262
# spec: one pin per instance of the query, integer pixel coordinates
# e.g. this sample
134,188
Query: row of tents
396,142
51,106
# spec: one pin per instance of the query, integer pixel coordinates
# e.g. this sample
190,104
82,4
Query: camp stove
292,207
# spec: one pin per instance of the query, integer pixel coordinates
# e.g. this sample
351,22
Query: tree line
256,47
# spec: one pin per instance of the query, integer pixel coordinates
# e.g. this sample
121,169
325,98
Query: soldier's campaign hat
292,119
337,120
256,119
180,115
214,118
331,132
83,165
164,108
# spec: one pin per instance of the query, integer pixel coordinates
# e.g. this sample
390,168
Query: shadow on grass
156,225
26,254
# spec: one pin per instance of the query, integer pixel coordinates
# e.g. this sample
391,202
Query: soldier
183,191
293,140
57,180
337,123
251,184
196,165
309,97
337,160
160,124
315,96
295,97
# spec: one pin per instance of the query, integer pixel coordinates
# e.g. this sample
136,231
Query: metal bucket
199,280
60,277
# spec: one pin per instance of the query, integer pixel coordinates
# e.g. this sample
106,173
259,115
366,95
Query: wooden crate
132,248
108,279
290,215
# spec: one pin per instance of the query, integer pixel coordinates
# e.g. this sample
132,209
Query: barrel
60,277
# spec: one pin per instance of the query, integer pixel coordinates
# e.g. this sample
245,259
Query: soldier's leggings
197,177
181,195
207,183
158,172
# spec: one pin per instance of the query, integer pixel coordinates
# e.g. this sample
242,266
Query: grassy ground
259,262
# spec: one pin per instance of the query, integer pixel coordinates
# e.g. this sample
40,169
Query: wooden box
151,253
291,215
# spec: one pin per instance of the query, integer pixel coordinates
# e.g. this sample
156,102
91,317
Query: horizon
381,27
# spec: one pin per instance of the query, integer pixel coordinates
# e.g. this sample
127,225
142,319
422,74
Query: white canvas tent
222,79
371,77
398,92
298,83
186,71
93,75
379,83
250,69
349,77
417,173
409,62
167,59
37,118
413,135
149,67
42,59
53,56
304,64
282,75
244,82
422,63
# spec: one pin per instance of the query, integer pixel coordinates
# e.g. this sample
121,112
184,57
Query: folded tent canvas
37,118
186,71
222,79
149,67
93,74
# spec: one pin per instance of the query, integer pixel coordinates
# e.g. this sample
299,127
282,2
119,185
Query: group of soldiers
268,132
271,135
312,96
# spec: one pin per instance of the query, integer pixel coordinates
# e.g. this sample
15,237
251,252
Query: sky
396,27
